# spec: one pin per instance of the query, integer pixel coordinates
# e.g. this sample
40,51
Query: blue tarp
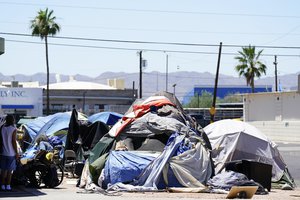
33,127
59,122
48,125
109,118
151,176
124,166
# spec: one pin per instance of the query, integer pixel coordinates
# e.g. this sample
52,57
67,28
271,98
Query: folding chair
70,161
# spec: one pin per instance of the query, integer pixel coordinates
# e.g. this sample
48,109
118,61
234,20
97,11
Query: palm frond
249,64
44,24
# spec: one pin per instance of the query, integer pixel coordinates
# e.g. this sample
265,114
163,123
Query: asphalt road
291,155
68,191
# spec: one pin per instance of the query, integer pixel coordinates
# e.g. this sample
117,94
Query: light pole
174,85
83,101
275,63
141,81
167,66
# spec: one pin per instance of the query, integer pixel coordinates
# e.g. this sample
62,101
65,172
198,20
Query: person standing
8,152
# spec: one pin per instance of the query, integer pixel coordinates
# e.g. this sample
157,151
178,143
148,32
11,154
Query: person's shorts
7,162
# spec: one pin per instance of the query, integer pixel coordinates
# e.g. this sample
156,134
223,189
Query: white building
277,114
21,101
29,99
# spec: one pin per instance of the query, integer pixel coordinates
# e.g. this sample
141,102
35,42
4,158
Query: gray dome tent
236,140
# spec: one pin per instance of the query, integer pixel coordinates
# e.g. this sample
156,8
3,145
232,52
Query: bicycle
44,170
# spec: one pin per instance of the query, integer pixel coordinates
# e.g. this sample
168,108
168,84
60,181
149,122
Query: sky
107,35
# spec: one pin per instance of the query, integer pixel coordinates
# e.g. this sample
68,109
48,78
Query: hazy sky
268,23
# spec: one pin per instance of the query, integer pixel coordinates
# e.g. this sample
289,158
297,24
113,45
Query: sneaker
3,187
8,188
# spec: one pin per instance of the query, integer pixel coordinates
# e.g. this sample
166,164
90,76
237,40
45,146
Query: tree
43,25
249,65
205,99
232,98
200,101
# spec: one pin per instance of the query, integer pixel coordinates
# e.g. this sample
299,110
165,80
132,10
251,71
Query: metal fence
221,113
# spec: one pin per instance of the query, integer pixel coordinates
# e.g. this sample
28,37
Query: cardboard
243,192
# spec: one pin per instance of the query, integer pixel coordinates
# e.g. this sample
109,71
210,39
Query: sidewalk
69,191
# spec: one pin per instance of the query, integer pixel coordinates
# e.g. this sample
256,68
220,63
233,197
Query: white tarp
237,140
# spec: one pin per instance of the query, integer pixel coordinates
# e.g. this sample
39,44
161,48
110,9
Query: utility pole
141,66
174,85
167,66
275,63
212,110
83,101
133,91
157,82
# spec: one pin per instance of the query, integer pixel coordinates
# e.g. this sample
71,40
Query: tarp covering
236,140
84,134
49,124
109,118
124,166
47,129
159,124
152,174
190,167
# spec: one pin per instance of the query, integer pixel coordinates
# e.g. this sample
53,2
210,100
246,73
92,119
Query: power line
155,11
117,41
146,49
118,48
187,77
153,42
170,30
171,75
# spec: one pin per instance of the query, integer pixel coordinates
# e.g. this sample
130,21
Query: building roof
30,84
232,86
78,85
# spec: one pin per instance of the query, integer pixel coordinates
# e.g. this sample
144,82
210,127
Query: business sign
13,93
20,95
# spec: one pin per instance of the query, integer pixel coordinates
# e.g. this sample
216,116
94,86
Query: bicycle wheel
37,174
60,173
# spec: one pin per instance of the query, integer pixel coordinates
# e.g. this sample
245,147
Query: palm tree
43,25
249,65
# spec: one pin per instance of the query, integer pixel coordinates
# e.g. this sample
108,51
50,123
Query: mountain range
182,81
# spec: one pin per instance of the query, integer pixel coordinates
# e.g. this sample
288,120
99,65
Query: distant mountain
156,81
286,82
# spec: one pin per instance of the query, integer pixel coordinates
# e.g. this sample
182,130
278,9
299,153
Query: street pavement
68,190
290,153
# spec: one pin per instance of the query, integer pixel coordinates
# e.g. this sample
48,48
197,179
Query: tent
161,147
46,127
109,118
49,124
86,134
236,140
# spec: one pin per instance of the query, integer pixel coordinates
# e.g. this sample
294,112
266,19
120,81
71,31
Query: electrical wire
153,42
154,11
146,49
